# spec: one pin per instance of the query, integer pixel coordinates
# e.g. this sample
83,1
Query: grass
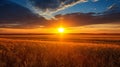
36,53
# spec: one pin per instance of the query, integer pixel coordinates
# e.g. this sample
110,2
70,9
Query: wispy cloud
18,16
46,8
95,0
112,6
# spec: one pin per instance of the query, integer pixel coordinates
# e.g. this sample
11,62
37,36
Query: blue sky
29,14
99,6
96,6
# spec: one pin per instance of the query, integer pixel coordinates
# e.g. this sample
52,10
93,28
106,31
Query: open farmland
59,51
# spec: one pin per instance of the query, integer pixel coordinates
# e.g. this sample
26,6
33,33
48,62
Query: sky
77,16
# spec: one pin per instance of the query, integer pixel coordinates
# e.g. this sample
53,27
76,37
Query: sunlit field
60,50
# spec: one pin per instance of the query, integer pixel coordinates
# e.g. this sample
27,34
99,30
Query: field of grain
60,51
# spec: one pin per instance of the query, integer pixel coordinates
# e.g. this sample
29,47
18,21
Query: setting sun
61,30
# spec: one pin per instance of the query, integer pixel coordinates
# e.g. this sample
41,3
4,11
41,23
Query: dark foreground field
59,51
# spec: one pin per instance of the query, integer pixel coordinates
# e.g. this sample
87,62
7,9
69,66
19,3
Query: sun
61,30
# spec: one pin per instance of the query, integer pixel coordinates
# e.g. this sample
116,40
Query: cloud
111,7
114,8
46,8
13,15
69,20
95,0
17,16
81,19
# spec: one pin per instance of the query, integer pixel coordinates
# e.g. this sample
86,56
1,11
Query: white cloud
48,13
111,6
95,0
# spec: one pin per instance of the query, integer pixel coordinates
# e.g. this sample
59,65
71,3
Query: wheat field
49,51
